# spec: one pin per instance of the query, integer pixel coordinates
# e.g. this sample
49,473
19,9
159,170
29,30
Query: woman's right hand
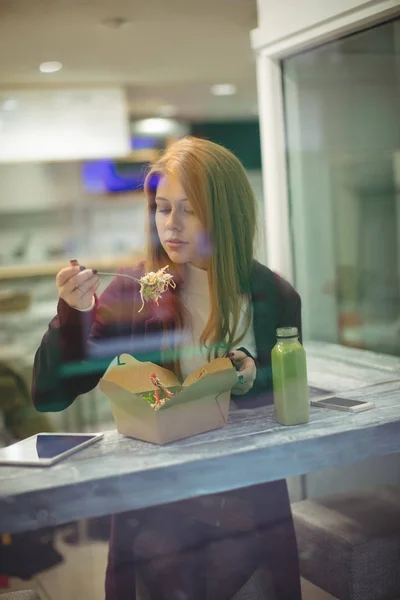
76,286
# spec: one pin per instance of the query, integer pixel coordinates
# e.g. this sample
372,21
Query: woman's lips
175,244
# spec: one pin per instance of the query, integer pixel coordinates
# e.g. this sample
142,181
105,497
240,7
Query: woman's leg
166,549
231,561
251,528
207,548
210,547
120,574
274,523
282,560
169,556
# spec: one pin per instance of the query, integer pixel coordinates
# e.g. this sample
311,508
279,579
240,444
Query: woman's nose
174,220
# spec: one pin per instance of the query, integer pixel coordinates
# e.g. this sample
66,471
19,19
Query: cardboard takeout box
198,405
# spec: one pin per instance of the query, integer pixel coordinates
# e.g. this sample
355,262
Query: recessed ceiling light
154,126
50,67
161,127
10,104
223,89
168,110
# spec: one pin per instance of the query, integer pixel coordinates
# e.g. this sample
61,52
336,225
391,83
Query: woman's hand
247,372
76,286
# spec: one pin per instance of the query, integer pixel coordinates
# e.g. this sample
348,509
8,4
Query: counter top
50,268
119,473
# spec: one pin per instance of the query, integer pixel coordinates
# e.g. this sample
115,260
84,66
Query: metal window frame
271,112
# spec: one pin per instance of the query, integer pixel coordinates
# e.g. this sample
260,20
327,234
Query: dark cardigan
89,341
256,521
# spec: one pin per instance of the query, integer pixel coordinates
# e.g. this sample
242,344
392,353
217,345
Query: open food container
198,405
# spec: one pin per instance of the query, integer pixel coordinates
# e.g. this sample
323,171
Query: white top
195,297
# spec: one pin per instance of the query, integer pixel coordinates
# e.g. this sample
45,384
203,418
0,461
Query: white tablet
45,449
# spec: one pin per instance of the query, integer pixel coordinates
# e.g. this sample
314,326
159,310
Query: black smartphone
345,404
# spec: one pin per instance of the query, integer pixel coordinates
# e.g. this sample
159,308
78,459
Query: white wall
277,20
45,207
63,124
35,186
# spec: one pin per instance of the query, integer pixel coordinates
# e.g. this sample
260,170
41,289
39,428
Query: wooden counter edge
50,268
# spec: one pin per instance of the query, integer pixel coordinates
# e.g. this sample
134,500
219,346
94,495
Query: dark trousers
207,548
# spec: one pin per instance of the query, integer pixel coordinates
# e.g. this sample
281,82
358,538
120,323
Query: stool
349,544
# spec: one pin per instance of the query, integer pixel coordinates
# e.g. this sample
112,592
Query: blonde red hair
220,194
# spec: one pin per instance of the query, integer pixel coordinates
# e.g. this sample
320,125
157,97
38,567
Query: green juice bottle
289,374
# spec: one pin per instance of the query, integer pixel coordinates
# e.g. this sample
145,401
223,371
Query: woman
201,222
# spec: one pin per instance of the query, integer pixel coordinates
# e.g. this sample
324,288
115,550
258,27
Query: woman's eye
164,211
189,211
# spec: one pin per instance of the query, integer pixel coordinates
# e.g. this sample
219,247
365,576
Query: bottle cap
287,332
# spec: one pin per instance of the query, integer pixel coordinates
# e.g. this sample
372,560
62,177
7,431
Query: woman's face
181,234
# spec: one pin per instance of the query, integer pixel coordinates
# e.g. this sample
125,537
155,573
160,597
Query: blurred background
342,104
92,91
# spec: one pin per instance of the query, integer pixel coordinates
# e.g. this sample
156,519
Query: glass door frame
272,118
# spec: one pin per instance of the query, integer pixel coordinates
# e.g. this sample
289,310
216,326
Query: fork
96,272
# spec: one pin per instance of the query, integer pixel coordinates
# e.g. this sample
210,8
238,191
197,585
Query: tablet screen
50,446
42,446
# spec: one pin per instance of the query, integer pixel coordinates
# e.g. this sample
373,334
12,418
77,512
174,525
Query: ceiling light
223,89
50,67
159,127
10,104
154,126
168,110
